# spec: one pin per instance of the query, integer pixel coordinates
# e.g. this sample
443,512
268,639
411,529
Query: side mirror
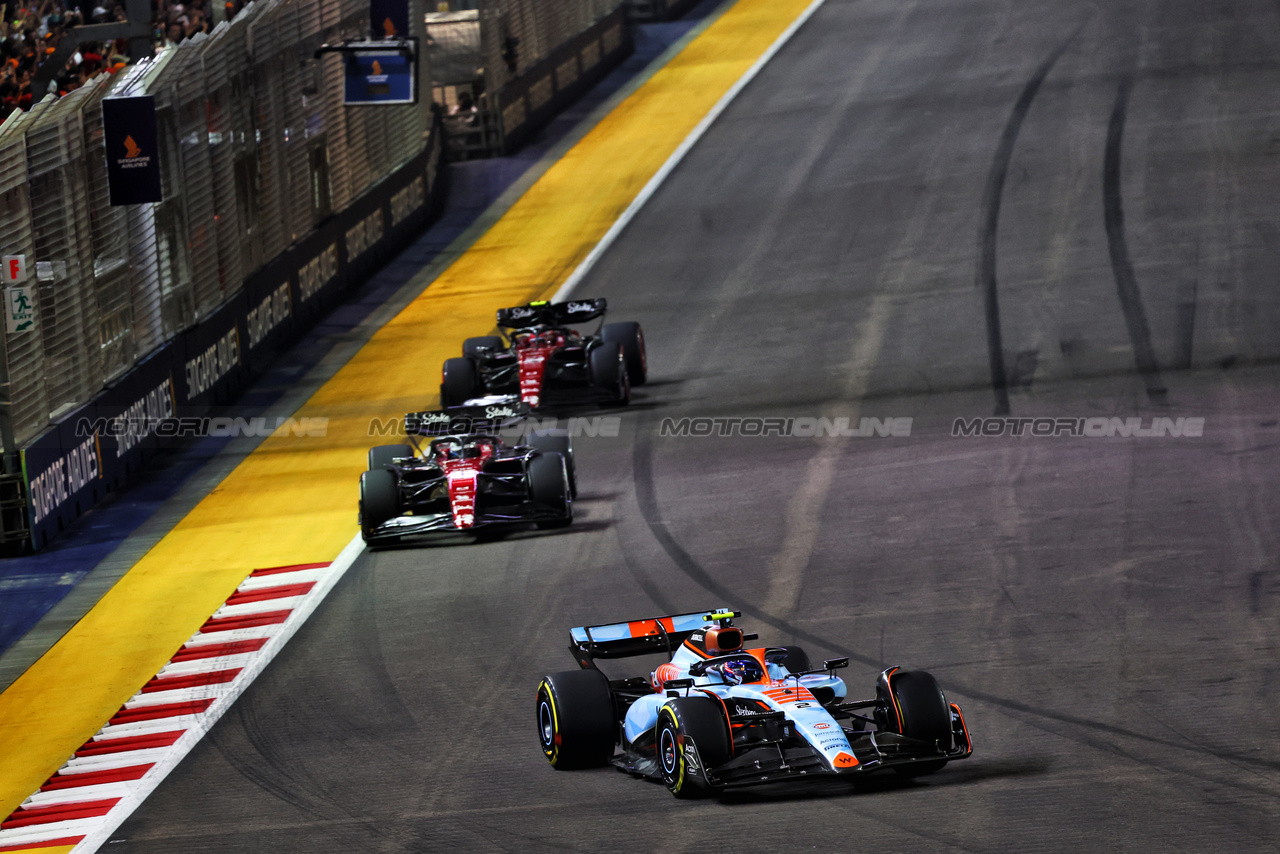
835,663
675,686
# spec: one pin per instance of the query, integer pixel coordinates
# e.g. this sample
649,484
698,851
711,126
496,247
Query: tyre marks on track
803,520
988,234
1079,730
1135,316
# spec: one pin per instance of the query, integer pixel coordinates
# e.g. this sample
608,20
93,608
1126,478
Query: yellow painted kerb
294,499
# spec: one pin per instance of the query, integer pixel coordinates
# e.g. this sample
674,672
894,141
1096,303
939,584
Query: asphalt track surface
919,209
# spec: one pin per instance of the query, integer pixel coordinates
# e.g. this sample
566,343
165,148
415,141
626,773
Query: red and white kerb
111,774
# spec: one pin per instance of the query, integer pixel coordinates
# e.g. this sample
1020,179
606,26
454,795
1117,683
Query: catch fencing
257,149
277,199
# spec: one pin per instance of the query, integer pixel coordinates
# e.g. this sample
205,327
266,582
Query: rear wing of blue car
544,313
640,637
487,419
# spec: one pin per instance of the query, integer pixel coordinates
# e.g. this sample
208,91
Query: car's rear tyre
557,442
577,725
471,346
609,373
686,721
911,703
459,382
549,488
381,456
379,499
631,337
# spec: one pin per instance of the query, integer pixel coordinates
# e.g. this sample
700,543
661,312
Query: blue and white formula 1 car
717,714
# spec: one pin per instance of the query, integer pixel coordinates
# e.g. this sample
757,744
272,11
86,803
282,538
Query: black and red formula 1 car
466,478
546,362
717,714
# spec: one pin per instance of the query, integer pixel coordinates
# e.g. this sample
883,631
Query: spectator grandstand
30,33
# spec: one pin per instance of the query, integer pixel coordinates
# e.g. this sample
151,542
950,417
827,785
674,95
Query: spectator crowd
30,32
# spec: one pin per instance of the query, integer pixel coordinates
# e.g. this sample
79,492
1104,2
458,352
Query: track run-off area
917,210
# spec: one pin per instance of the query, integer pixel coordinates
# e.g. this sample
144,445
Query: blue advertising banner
380,76
133,149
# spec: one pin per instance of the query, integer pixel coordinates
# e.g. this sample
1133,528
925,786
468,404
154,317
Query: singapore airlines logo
133,156
377,68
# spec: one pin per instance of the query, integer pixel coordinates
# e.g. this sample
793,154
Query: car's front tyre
549,489
459,382
472,346
692,736
609,373
912,704
381,456
379,499
557,442
629,334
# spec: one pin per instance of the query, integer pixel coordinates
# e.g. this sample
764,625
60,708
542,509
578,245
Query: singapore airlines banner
133,149
380,76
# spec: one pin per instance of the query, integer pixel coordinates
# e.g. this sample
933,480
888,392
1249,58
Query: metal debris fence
256,150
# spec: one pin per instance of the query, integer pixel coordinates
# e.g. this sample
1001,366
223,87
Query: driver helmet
475,449
447,449
741,671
